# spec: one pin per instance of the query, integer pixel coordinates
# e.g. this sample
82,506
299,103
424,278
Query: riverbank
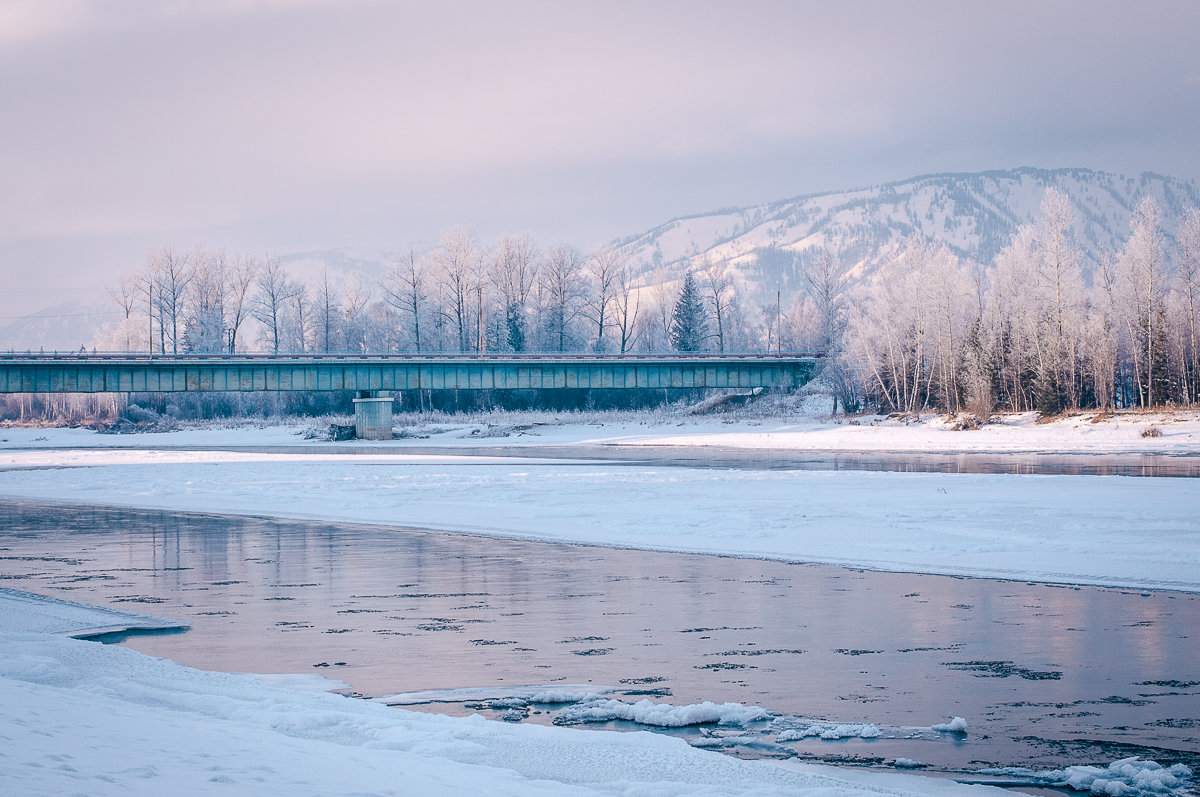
1174,432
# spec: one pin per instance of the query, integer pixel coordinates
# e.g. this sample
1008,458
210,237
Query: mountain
974,214
62,327
341,265
769,245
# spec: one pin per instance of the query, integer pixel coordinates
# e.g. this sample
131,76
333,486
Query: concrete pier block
373,418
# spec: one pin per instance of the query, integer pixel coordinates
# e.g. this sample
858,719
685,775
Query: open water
1046,675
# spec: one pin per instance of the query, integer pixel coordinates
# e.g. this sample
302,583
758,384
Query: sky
285,126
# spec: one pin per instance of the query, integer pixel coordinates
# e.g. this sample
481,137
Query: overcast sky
288,125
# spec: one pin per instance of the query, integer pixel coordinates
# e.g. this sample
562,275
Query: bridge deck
126,373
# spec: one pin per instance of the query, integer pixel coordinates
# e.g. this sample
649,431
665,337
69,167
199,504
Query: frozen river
1045,675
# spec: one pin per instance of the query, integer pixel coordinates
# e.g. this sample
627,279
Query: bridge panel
204,373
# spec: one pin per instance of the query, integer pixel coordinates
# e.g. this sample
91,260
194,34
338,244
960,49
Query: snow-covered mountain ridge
974,214
768,245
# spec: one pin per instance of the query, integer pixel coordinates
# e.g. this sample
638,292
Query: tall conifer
689,326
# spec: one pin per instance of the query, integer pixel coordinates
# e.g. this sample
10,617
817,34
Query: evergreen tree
689,326
1048,392
1160,373
515,326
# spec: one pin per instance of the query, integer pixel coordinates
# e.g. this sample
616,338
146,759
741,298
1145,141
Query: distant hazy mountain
63,327
975,214
341,265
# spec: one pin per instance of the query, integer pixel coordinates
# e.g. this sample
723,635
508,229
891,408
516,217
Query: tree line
929,329
457,297
1029,331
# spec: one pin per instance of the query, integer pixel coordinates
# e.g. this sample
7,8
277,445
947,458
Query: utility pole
479,325
778,324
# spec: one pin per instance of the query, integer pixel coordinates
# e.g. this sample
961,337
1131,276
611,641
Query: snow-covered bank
1084,433
1114,530
80,717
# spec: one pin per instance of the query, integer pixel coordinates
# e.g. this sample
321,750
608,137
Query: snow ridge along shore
1081,433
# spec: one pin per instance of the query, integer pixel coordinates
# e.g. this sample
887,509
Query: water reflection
1016,463
1033,667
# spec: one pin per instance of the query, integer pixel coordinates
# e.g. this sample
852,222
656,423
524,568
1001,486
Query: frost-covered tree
664,290
204,329
1060,292
355,322
561,295
513,272
128,334
626,304
1144,282
326,324
825,286
1187,269
405,289
276,291
603,270
456,263
303,319
718,284
239,301
169,276
888,330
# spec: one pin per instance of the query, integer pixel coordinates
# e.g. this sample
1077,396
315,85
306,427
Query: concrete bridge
374,377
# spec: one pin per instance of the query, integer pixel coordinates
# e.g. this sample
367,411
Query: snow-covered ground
1081,434
1112,530
1084,433
81,717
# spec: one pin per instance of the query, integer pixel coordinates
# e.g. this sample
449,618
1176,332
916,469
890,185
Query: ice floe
1128,777
663,715
956,725
847,730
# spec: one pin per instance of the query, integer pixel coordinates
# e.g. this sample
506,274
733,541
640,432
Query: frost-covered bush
139,414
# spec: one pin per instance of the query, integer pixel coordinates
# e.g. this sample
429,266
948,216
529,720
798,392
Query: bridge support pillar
373,415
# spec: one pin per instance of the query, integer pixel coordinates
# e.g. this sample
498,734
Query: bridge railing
420,356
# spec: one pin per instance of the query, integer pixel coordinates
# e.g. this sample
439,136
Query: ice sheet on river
1062,529
27,612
